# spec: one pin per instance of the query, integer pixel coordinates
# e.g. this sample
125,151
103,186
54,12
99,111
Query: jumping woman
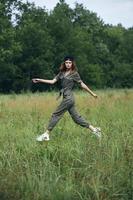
68,76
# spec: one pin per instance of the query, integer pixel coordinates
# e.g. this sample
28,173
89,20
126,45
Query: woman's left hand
94,95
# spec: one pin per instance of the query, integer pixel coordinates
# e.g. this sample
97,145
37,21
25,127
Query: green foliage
126,47
33,43
122,75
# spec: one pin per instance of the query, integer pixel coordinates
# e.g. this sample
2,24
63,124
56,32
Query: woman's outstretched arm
84,86
38,80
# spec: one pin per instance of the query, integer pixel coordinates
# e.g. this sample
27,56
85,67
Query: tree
60,26
126,48
37,46
33,42
9,48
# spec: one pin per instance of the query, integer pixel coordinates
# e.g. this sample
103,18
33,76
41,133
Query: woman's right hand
36,80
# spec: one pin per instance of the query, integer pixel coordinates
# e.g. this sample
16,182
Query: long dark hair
63,67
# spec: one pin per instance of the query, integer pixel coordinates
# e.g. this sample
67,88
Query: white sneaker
43,137
97,132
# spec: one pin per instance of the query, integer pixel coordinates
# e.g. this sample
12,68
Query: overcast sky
111,11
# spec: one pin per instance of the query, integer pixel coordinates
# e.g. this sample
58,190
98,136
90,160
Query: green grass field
74,165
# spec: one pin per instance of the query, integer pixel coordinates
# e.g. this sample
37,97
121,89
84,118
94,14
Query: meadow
74,164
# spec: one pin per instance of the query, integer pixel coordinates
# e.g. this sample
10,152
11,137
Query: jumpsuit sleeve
77,78
57,77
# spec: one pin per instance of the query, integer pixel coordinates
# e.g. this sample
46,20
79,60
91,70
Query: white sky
110,11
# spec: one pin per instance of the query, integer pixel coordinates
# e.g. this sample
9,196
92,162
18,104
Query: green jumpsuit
68,102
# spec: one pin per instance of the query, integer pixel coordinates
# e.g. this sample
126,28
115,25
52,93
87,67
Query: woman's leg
82,122
77,118
56,116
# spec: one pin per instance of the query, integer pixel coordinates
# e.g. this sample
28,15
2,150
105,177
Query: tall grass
74,164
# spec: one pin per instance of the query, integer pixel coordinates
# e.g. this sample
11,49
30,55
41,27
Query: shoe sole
45,139
98,134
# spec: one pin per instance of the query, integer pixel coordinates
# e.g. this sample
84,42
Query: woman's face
68,64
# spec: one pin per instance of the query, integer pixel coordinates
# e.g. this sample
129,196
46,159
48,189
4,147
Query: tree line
34,41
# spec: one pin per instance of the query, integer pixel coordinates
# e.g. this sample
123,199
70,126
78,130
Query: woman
69,76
